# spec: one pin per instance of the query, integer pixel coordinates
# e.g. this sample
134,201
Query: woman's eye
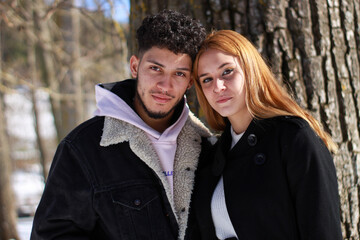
228,71
206,80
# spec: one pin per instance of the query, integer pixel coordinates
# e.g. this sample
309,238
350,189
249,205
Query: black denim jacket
106,191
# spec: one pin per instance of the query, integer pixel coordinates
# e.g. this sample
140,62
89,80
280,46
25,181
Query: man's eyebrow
184,69
221,66
161,65
155,62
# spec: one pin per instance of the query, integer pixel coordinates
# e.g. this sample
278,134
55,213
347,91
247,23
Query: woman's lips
223,99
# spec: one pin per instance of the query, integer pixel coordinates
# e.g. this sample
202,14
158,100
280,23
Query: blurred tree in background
60,48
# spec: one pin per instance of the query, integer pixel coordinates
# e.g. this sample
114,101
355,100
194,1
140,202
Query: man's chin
157,115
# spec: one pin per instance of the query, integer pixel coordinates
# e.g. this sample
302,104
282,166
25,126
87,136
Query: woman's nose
219,85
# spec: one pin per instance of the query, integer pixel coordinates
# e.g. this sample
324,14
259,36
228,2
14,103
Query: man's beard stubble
151,114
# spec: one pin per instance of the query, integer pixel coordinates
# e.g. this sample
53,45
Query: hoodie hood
110,104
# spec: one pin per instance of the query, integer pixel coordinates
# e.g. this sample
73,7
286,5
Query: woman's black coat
279,182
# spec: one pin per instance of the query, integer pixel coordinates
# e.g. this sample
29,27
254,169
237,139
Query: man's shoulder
89,129
197,125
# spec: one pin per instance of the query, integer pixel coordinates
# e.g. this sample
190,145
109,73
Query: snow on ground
20,117
28,187
24,227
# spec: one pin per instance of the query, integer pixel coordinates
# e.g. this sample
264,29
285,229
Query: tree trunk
31,58
76,73
313,47
70,84
47,66
7,207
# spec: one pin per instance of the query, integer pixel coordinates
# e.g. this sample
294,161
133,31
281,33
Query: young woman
271,174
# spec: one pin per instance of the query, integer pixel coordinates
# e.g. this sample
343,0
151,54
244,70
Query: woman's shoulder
288,127
284,123
291,121
296,130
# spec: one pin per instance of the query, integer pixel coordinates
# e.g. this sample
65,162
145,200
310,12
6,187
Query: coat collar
252,137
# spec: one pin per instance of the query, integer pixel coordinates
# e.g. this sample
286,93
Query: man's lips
161,98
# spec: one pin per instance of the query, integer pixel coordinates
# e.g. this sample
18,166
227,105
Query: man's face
162,80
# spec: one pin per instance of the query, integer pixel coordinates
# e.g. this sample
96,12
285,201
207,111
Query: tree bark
313,47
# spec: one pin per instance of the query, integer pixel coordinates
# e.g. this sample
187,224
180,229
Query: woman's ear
134,65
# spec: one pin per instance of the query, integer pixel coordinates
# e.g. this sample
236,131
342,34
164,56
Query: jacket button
137,202
252,140
183,210
260,159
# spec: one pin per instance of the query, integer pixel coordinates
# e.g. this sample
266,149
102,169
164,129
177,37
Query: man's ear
190,83
134,65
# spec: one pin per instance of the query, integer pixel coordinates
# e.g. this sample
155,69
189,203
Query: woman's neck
240,122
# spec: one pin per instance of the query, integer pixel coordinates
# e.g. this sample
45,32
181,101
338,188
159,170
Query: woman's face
222,81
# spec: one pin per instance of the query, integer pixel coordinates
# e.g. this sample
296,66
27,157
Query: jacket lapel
186,161
116,131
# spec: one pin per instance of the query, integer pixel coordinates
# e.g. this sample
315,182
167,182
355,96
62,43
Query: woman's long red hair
265,97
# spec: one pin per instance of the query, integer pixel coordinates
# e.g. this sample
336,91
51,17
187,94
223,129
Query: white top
235,137
223,226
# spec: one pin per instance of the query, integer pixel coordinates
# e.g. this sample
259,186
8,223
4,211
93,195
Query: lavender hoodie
111,105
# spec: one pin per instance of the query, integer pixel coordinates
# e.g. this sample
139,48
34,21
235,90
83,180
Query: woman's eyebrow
221,66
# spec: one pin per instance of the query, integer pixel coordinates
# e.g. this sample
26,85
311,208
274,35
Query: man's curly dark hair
172,30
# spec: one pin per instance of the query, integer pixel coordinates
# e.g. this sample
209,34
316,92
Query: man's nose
165,83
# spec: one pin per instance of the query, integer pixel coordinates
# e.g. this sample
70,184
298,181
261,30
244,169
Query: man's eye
155,68
228,71
180,74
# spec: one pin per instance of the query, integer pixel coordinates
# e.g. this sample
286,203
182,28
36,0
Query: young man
128,173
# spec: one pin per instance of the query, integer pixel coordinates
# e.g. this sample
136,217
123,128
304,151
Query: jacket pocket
140,212
136,198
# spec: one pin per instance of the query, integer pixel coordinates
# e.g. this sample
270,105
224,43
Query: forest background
53,52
